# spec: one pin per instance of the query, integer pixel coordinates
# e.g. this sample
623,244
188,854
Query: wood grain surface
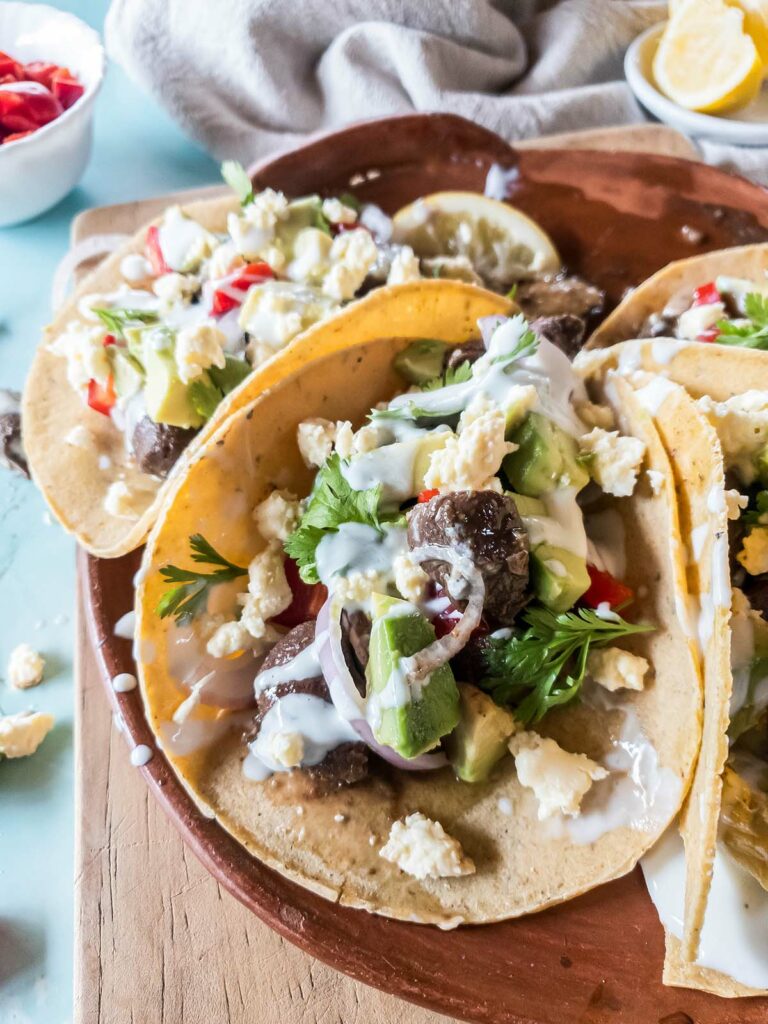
156,937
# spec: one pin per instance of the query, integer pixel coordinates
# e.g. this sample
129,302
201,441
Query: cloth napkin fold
249,77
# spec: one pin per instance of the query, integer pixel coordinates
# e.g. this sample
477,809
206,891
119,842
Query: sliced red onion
345,695
488,325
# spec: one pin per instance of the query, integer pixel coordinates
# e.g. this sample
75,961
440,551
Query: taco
718,297
710,407
146,357
378,629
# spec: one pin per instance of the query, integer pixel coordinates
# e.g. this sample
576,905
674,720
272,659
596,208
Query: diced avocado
515,413
408,726
546,458
558,577
165,394
134,339
428,445
421,361
480,739
127,372
527,506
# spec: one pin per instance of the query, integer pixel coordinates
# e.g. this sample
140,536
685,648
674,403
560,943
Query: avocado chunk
428,445
408,723
421,361
546,458
165,394
558,577
126,372
480,739
528,506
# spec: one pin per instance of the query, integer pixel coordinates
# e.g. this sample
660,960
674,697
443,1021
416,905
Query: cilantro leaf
331,503
116,320
753,333
759,514
236,176
452,375
545,665
207,390
204,397
190,597
527,345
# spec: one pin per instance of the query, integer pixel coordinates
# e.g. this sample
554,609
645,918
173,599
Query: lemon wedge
501,243
706,61
755,20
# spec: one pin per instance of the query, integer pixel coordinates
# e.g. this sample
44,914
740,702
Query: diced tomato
41,71
66,89
253,273
15,136
308,598
222,302
604,588
154,252
9,66
711,335
706,294
102,397
109,339
426,496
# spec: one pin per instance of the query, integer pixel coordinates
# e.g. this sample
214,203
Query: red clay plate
616,218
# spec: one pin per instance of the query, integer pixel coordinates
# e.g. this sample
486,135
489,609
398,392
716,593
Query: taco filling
726,310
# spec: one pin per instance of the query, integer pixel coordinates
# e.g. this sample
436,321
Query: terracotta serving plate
616,218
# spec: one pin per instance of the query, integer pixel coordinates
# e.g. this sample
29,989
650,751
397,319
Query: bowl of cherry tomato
51,68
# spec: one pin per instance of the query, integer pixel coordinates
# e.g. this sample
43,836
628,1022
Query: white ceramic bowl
36,172
746,127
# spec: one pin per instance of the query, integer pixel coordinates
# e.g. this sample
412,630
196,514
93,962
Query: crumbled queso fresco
25,667
422,848
22,734
559,780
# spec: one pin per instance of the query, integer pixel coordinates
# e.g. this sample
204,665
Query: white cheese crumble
121,502
754,551
276,311
25,667
315,438
656,479
404,267
287,748
277,516
268,590
230,638
174,288
616,669
79,437
614,461
83,348
352,255
469,461
741,423
338,213
698,319
735,503
422,848
22,734
559,779
197,348
311,253
410,578
357,587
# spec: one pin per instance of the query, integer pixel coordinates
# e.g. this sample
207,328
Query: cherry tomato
109,339
426,496
41,71
102,397
9,66
154,252
604,588
26,106
222,302
253,273
308,598
66,89
706,294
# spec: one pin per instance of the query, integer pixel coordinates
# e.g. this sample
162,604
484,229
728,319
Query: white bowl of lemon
703,71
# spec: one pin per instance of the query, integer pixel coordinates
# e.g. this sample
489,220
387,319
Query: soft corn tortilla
522,865
626,321
696,456
70,477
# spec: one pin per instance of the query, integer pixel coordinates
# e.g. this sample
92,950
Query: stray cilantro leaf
527,345
754,333
332,503
116,320
236,176
190,597
452,375
759,514
512,292
204,397
207,390
545,666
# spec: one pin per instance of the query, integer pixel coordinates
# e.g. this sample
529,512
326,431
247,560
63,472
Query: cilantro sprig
754,333
116,320
190,596
332,503
544,666
236,176
452,375
206,392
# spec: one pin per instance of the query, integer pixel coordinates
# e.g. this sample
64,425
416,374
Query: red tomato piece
706,294
222,303
711,335
23,109
154,252
9,66
252,273
606,588
66,88
15,136
308,598
102,397
109,339
426,496
40,71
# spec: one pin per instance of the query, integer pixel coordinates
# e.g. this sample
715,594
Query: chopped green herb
351,201
236,176
206,391
332,503
512,292
190,597
758,515
116,320
754,333
527,345
545,666
452,375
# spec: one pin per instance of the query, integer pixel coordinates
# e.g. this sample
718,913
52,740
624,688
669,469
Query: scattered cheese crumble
754,551
277,516
353,254
357,587
288,750
338,213
25,667
315,439
735,503
422,848
614,461
121,502
656,479
197,348
559,779
22,734
741,423
469,461
410,578
230,638
698,319
404,267
616,669
83,348
268,590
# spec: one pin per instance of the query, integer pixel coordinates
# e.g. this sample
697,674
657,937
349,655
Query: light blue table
138,152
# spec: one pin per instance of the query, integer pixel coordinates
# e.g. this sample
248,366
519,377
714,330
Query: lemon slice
705,60
501,243
755,20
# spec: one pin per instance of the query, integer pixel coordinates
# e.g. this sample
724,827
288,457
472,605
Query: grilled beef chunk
467,353
469,664
565,330
554,296
157,446
487,528
11,452
345,764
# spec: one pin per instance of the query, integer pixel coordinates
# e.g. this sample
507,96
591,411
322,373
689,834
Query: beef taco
712,891
152,349
407,624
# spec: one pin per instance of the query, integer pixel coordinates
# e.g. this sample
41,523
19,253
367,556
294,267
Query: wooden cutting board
156,937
